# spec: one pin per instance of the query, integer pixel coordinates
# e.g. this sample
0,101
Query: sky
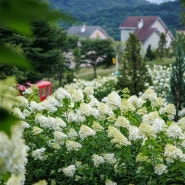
159,1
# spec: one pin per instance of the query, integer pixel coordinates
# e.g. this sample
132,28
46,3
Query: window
43,92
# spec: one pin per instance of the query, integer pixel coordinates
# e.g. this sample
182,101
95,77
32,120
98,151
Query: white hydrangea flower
36,130
110,158
69,171
182,113
85,132
58,124
89,90
41,182
104,110
61,94
77,96
174,131
135,101
160,169
169,110
110,182
126,106
38,154
158,125
85,109
96,126
72,134
16,179
142,158
72,116
173,153
33,106
181,123
52,101
98,160
18,113
114,100
22,101
73,145
23,124
118,138
94,102
150,95
134,133
149,118
146,130
59,137
122,122
13,151
42,120
26,113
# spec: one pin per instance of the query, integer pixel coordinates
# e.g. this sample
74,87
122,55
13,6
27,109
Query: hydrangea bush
75,139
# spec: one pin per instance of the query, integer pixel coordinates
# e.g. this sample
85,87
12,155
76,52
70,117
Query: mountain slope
109,14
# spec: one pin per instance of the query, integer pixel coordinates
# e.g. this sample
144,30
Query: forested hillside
109,14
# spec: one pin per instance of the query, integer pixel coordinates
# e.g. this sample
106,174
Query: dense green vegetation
110,14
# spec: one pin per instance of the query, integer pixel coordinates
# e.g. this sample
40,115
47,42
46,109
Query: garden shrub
75,139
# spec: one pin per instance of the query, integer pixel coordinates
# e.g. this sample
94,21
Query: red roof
144,32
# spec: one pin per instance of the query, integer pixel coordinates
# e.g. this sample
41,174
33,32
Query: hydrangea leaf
6,121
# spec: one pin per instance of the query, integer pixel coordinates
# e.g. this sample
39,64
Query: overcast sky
159,1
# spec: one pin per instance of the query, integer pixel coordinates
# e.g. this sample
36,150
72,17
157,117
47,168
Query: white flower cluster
69,171
85,130
98,160
13,152
38,154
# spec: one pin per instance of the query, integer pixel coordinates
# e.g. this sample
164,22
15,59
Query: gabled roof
144,32
88,30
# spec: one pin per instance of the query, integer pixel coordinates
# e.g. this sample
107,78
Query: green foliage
162,50
44,50
177,82
97,52
150,54
134,73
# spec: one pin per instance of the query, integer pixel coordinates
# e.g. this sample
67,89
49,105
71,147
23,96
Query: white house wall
159,26
153,40
98,34
125,34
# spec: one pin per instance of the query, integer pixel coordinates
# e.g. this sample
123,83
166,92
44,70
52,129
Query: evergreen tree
134,73
161,50
44,50
149,54
177,81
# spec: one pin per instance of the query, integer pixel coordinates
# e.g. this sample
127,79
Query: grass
87,73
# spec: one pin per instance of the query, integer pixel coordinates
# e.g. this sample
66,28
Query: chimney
83,28
140,23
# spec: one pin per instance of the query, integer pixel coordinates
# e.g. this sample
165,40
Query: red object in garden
45,89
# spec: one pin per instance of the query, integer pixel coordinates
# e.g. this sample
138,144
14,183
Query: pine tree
134,72
177,81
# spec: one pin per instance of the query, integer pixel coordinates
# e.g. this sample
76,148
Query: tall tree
96,52
161,50
134,73
44,50
177,81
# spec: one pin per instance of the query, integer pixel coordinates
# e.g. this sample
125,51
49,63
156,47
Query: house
147,29
85,31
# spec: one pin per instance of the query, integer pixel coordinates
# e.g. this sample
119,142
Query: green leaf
19,14
6,121
11,57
